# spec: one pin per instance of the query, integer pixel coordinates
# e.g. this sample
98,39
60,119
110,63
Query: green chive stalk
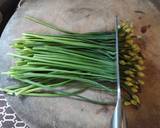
47,64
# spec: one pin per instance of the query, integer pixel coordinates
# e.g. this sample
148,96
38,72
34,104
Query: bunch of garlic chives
49,63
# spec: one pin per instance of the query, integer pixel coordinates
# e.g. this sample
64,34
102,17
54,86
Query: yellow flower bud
136,57
141,62
134,102
138,67
131,53
122,62
140,74
133,89
129,37
126,103
135,86
126,57
128,72
125,26
134,70
128,83
128,30
130,42
135,47
141,82
136,98
129,79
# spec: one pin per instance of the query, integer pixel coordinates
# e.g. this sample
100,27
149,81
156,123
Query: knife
117,115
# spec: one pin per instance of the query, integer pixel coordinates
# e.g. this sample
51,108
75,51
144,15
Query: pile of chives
48,64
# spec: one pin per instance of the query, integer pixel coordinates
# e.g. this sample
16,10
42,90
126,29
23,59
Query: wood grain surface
84,16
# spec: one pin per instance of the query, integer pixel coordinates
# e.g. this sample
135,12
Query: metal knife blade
116,118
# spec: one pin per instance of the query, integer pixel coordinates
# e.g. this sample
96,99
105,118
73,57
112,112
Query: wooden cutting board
84,16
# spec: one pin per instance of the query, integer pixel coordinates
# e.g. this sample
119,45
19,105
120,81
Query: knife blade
116,117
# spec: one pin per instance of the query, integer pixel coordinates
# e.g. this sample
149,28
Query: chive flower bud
126,103
140,74
136,98
134,102
122,62
134,90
